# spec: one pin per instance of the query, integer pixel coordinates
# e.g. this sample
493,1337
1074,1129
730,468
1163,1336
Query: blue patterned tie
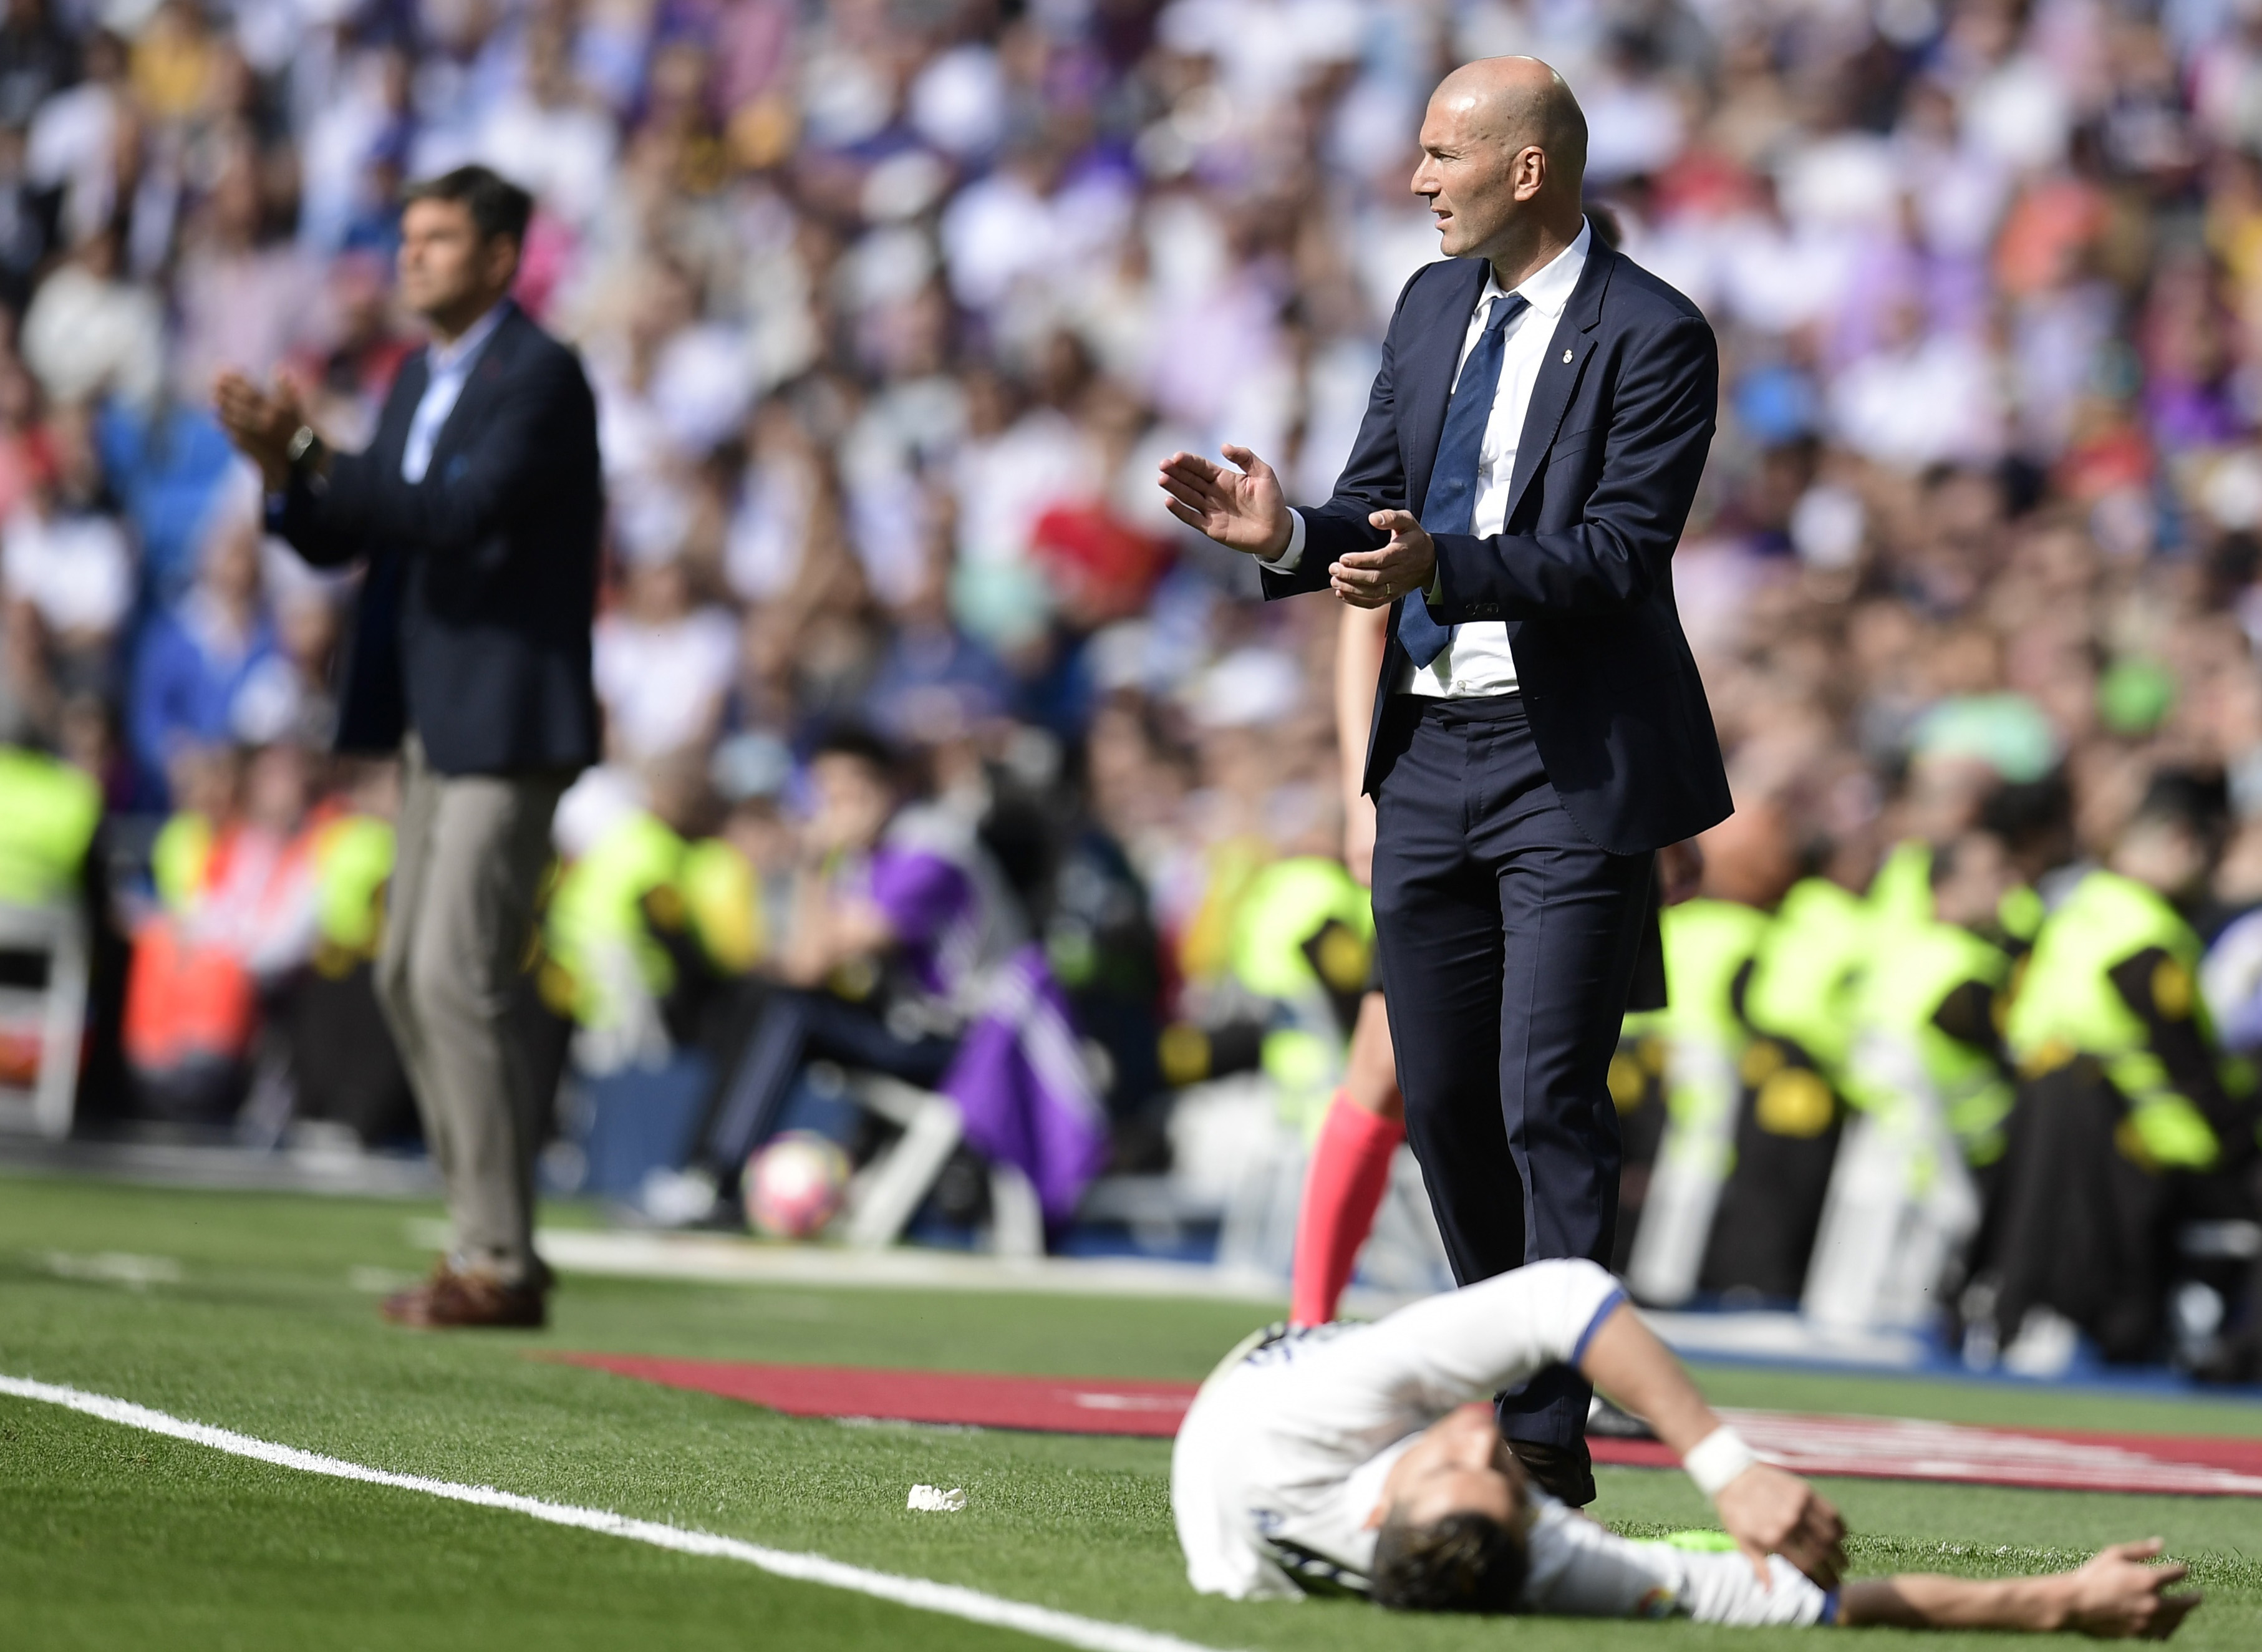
1452,501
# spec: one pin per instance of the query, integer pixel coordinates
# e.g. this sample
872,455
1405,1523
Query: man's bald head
1503,159
1523,101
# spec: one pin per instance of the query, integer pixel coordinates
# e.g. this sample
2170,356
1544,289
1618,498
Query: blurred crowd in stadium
891,306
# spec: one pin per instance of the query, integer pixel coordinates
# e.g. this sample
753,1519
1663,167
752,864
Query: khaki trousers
472,851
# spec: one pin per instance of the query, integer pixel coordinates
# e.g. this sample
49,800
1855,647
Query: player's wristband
1715,1460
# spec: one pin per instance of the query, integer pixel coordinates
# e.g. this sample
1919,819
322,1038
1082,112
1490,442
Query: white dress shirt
448,368
1478,661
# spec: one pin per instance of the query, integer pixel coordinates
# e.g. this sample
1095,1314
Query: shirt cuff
1286,561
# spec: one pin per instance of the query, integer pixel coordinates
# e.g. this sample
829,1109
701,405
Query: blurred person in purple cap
904,954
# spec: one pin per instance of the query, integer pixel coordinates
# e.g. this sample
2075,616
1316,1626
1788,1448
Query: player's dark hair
1464,1563
498,206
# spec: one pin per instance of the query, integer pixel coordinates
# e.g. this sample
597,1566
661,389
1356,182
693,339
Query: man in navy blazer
476,511
1541,749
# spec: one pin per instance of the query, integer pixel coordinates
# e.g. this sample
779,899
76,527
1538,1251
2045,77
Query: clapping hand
260,422
1243,509
1376,579
1768,1512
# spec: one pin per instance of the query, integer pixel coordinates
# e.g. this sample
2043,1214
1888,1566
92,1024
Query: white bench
54,1013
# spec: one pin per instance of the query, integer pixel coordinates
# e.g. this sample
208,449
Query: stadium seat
887,1192
42,1024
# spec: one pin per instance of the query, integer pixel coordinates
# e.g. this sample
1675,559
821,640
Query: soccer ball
795,1184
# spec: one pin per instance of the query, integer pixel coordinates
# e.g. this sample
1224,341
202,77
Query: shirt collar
447,359
1547,290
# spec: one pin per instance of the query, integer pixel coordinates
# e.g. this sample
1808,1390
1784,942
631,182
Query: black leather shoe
1566,1473
1607,1420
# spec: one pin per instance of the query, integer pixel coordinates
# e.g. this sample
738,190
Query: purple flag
1020,1081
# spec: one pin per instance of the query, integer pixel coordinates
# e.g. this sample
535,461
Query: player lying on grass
1365,1458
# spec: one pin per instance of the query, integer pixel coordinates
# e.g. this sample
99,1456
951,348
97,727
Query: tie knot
1505,309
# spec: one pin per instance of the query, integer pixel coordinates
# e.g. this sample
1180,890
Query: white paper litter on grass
935,1500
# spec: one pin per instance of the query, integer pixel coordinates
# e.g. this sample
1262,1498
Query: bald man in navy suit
1540,752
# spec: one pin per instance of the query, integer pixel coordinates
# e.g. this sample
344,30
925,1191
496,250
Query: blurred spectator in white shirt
663,664
364,122
1920,399
65,556
90,331
549,135
243,290
778,496
74,141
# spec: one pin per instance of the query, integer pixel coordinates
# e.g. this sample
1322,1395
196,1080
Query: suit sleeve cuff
1287,560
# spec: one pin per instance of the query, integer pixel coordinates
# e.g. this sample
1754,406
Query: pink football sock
1350,1166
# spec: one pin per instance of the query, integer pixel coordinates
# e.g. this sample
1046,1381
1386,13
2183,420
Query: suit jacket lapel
409,386
1424,388
1425,375
1568,350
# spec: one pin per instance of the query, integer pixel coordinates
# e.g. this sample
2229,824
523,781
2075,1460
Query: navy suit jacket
482,585
1613,445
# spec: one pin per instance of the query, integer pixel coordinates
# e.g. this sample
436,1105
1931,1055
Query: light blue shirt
448,368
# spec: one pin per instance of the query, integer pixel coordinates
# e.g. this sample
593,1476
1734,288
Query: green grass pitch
114,1539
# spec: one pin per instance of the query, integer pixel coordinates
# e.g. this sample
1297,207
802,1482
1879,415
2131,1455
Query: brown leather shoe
401,1305
453,1301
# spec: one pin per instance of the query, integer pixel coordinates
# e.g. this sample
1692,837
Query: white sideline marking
112,1267
950,1599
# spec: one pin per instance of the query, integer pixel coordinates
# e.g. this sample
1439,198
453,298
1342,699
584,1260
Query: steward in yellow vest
1936,985
347,1067
2125,1102
50,816
1674,1084
641,928
1795,1001
1297,958
48,813
1926,1088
